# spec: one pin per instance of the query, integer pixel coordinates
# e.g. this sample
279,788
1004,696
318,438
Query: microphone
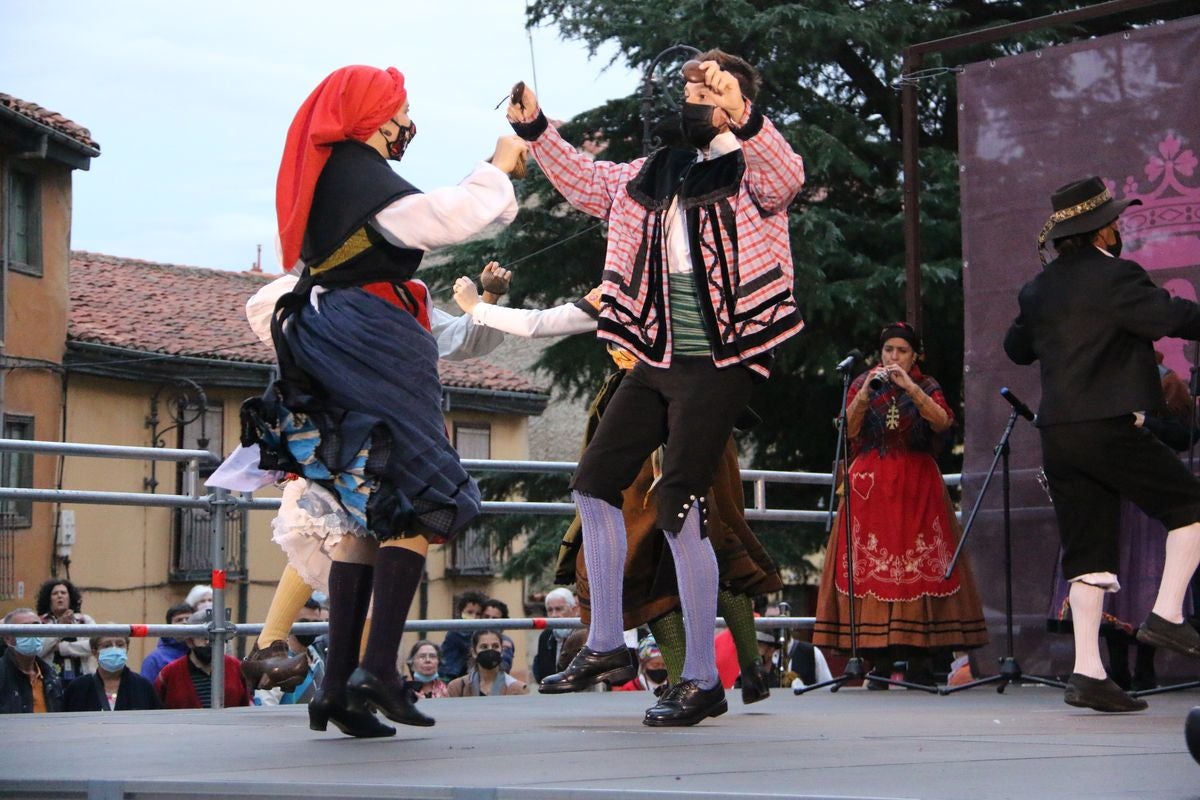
847,363
1017,405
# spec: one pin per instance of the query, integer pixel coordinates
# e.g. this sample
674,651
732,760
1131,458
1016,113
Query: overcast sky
191,102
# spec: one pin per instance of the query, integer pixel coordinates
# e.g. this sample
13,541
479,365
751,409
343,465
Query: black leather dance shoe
588,668
754,685
348,716
396,701
687,704
274,666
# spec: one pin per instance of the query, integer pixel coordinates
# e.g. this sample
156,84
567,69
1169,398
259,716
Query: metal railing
136,631
220,629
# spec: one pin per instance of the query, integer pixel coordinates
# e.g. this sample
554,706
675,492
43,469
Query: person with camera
902,524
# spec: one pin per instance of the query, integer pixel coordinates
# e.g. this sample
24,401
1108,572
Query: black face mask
657,675
488,659
695,120
306,640
203,654
397,147
1114,249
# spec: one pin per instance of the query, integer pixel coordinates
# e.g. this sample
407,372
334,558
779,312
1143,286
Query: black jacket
545,662
1091,321
16,694
135,693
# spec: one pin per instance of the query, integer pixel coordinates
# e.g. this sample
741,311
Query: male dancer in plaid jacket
697,284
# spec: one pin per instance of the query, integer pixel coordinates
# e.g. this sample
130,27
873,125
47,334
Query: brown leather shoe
274,666
1101,695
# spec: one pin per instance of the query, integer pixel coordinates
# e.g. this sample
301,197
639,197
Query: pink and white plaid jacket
737,227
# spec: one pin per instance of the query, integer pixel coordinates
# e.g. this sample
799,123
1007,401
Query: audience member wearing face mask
486,677
187,681
28,684
652,670
424,659
113,686
560,603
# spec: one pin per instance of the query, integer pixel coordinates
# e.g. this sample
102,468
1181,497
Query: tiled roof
199,312
51,119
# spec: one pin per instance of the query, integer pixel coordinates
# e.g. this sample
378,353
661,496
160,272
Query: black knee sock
397,574
349,599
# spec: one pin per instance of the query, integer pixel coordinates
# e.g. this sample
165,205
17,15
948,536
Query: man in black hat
1091,318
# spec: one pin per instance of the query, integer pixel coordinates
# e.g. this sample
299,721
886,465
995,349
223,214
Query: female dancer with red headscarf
357,408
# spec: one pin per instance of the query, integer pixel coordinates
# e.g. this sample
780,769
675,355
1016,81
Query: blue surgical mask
425,678
28,645
113,659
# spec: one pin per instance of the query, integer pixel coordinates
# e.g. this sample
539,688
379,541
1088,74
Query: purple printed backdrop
1125,107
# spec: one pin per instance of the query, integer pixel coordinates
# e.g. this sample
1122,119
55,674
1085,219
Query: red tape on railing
138,631
218,579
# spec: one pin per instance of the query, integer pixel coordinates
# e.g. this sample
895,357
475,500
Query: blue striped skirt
394,468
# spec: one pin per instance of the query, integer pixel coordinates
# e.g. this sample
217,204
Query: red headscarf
352,103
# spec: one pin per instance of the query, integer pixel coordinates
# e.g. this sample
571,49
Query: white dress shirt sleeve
460,337
535,323
452,214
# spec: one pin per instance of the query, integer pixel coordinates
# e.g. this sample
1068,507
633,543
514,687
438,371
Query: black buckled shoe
396,701
1178,636
1101,695
348,716
754,685
687,704
588,668
274,666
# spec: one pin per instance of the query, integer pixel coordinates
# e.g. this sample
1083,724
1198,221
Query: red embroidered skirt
904,533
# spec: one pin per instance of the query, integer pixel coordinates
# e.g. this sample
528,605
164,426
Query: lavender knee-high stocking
349,598
696,574
604,548
398,572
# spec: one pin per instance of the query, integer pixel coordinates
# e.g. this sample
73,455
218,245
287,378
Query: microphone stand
783,657
854,669
1010,670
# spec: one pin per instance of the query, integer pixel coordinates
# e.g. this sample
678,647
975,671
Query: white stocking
1087,601
1183,556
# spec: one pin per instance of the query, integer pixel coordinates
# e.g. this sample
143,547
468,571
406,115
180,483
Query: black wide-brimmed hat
1082,206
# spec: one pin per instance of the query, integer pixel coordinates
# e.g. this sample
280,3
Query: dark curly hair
43,598
469,597
500,605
